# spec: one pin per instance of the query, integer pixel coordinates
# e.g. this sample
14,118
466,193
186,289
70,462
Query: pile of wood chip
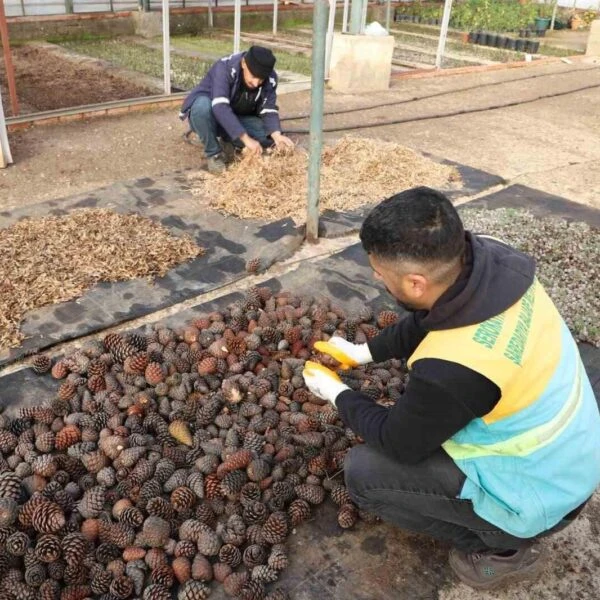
355,171
54,259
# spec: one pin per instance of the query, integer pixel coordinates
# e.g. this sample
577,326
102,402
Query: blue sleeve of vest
221,98
399,340
440,399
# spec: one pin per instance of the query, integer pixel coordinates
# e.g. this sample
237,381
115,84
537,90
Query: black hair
419,224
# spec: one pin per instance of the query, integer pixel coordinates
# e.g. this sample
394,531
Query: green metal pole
356,11
320,14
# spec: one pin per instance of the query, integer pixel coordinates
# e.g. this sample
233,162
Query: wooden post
10,72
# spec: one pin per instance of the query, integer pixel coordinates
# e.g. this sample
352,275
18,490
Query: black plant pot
522,33
492,39
534,47
540,33
511,44
479,37
472,37
500,41
520,45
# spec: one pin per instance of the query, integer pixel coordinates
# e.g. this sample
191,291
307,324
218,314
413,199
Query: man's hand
253,146
322,382
282,141
349,355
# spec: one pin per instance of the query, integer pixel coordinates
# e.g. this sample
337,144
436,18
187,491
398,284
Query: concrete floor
552,144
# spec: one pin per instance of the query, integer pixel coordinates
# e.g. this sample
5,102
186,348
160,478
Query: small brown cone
181,432
182,569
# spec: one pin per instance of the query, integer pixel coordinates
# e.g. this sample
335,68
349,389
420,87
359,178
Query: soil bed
46,81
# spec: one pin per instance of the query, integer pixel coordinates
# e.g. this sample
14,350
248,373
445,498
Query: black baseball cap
260,61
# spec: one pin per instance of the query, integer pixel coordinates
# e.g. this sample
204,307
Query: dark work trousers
422,498
204,124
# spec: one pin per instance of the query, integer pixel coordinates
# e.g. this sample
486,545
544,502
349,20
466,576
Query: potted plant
542,21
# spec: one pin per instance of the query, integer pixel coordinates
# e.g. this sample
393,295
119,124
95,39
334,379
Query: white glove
349,355
322,382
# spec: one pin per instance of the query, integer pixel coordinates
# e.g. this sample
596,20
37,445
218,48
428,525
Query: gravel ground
567,256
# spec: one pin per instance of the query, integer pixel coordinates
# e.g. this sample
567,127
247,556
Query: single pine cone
41,363
47,517
121,587
234,583
340,495
180,431
92,502
254,555
386,318
252,590
48,548
201,569
9,510
314,494
17,543
182,499
265,574
156,532
347,516
163,575
278,558
182,569
209,543
154,375
230,555
253,265
10,485
156,592
193,590
276,528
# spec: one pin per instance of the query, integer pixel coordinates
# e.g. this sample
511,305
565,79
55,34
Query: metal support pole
316,118
275,11
554,15
388,15
211,22
10,72
363,18
345,16
5,155
329,43
237,23
166,47
355,16
443,34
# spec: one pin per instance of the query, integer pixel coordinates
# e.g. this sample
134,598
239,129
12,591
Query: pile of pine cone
170,459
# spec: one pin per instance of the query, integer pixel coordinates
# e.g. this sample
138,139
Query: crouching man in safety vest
496,440
236,105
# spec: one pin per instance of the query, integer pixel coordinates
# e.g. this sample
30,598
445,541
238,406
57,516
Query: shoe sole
530,572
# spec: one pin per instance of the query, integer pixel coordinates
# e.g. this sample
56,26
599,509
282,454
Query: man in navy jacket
236,102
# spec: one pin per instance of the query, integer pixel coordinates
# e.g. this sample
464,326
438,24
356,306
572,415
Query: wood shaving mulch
55,259
355,171
567,256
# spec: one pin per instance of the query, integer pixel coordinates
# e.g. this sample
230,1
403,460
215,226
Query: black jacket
441,397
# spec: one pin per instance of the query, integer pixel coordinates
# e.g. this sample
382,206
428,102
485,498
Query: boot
216,164
486,570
